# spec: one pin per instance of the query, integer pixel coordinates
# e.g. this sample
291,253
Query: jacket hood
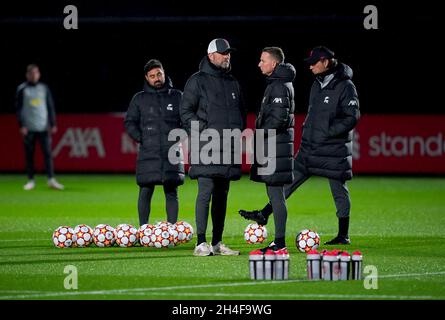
344,72
167,85
340,72
206,66
283,72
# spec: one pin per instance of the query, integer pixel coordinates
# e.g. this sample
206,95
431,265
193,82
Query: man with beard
212,99
152,114
326,144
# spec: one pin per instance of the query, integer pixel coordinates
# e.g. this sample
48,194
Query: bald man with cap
212,99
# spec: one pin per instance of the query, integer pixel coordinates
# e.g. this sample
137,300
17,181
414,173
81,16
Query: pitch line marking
250,295
140,291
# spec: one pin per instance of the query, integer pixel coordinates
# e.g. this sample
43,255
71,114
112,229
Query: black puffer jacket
277,112
326,145
212,96
149,119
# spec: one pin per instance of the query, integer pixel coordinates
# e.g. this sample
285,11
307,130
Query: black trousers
171,203
45,144
278,202
339,191
216,191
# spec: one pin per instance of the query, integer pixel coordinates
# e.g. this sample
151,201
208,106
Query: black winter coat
277,112
213,97
150,117
326,145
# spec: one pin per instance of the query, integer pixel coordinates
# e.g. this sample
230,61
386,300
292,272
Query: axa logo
352,103
326,99
170,107
79,141
277,100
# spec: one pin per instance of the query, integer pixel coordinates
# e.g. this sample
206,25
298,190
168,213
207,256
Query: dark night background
98,67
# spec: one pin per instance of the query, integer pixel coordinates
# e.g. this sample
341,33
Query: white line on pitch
287,295
142,290
215,294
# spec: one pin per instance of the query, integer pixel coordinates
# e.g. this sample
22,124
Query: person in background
37,121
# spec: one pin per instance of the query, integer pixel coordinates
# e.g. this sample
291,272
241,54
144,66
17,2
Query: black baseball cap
151,64
219,45
319,53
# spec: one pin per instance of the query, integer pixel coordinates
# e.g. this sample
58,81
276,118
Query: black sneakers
276,249
254,215
338,240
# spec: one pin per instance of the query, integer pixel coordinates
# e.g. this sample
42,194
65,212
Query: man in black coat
152,114
276,118
212,100
326,144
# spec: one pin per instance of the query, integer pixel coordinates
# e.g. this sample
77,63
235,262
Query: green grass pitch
397,222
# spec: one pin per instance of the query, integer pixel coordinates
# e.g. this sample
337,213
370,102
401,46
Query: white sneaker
52,183
221,249
29,185
204,249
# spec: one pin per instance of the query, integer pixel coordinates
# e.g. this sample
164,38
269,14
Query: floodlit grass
397,223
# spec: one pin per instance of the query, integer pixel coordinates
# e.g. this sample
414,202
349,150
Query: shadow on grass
98,251
24,247
85,259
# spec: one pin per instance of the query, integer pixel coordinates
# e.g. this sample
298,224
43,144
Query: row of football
161,235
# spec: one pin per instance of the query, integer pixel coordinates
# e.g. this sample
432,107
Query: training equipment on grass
161,224
254,233
307,240
175,234
333,265
269,265
357,265
126,235
63,237
313,265
163,237
185,231
146,231
103,235
84,235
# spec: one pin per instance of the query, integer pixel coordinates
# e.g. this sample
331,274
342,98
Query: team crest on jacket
169,107
233,96
326,99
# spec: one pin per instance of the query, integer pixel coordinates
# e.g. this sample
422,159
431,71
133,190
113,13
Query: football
103,235
185,231
161,224
145,233
175,234
84,235
255,233
307,240
64,237
126,235
162,238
